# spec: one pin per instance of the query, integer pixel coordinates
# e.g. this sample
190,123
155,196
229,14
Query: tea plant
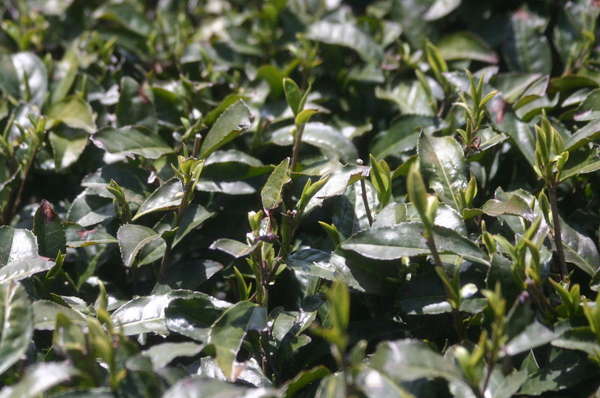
299,198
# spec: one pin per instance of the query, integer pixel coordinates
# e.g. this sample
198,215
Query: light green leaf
271,193
16,324
406,240
466,45
293,95
166,197
75,113
131,140
232,122
228,332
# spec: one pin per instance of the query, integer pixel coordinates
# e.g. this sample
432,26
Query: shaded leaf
131,140
233,121
138,240
346,35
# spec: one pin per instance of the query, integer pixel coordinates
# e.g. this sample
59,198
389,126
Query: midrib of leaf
446,180
589,267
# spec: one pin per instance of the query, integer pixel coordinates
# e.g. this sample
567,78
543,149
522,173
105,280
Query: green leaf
331,141
332,386
163,354
38,379
67,145
45,312
87,210
131,140
32,77
304,116
147,314
401,136
375,384
553,377
271,193
139,241
232,122
203,387
193,217
527,48
193,316
441,8
580,250
16,324
166,197
466,45
136,105
228,332
443,166
304,379
587,133
406,240
16,244
534,335
407,360
232,247
293,95
49,231
75,113
346,35
331,267
24,268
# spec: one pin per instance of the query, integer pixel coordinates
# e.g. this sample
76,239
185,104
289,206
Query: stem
188,191
363,188
10,211
296,148
488,375
557,232
456,317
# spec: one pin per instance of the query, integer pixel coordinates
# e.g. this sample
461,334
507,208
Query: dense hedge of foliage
299,198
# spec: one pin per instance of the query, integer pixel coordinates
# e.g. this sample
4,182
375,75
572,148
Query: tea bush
299,198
